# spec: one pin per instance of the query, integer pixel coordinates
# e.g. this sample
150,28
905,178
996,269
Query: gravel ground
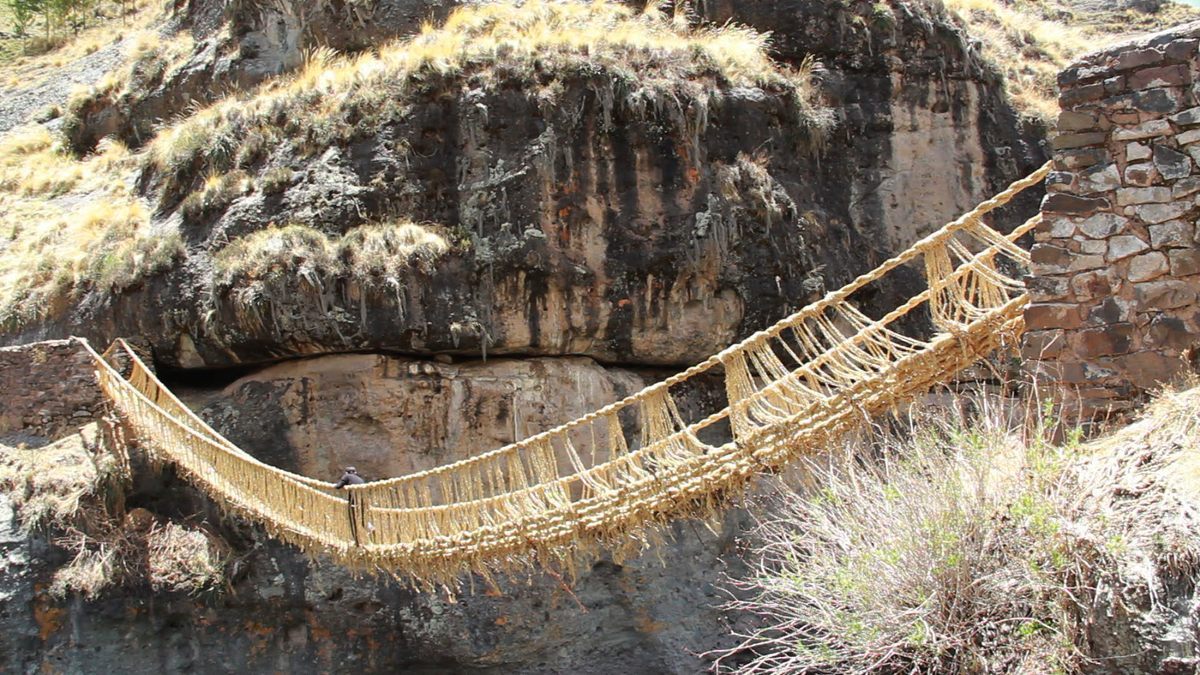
19,104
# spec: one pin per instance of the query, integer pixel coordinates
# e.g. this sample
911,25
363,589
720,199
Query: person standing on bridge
350,477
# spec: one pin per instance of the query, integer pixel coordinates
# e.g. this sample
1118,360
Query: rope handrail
787,387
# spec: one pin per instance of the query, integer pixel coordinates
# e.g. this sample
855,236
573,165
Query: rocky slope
575,223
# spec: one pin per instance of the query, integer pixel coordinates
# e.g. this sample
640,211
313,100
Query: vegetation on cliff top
1030,41
335,100
75,228
973,543
70,226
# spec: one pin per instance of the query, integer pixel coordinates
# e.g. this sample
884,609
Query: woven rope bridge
610,477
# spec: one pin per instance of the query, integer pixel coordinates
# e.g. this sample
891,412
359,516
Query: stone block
1158,213
1136,152
1057,228
1193,151
1141,175
1071,204
1088,285
1143,195
1124,245
1106,341
1184,262
1147,266
1171,333
1148,369
1086,262
1156,101
1080,158
1082,73
1180,50
1060,181
1069,120
1150,129
1073,97
1185,187
1093,246
1043,316
1171,233
1043,344
1162,76
1101,225
1164,294
1172,164
1108,312
1188,137
1137,58
1050,259
1187,117
1125,118
1100,178
1045,288
1081,140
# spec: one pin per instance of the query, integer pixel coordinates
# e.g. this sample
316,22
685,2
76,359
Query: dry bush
969,543
53,486
73,491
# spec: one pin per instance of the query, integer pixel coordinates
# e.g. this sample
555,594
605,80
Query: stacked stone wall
1115,284
47,388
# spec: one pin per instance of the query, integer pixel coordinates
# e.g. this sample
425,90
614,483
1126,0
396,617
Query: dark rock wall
654,234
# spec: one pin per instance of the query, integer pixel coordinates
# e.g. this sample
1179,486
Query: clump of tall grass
369,254
959,545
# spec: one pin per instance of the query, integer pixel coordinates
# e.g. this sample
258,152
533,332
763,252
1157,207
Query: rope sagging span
609,477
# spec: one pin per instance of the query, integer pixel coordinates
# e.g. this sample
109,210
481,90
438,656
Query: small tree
23,12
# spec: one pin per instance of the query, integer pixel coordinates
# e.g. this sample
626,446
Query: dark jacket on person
351,477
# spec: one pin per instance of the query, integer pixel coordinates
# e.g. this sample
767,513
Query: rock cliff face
584,226
591,220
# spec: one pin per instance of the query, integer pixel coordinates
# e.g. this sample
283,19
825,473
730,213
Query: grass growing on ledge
68,226
970,543
370,254
335,99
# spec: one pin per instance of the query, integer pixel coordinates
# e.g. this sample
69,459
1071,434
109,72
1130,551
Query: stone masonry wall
48,387
1115,284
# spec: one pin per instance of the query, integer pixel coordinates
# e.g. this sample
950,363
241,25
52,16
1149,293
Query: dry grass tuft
182,559
968,543
51,486
69,227
369,254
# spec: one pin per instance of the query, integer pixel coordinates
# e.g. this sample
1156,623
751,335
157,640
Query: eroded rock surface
592,221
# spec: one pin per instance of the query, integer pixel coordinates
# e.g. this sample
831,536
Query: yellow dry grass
1030,42
68,226
371,254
